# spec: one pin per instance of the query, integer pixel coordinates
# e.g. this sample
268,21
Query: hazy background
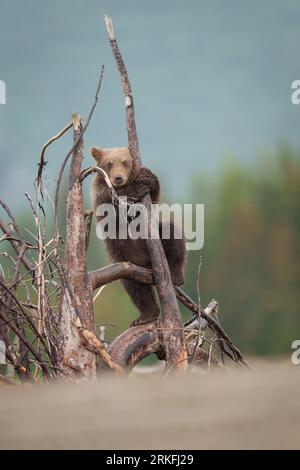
212,86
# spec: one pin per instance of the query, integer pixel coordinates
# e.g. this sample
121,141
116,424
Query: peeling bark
135,344
76,300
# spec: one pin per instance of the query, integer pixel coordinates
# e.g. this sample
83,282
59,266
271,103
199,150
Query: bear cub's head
116,162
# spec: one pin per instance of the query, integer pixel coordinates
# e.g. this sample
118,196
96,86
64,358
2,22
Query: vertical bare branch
133,143
76,299
170,316
75,252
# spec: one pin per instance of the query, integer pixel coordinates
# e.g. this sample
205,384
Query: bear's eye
109,165
125,163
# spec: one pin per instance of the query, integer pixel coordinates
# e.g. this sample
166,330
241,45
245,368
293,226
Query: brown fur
135,184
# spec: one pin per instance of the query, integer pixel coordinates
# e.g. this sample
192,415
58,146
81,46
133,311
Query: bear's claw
142,321
178,279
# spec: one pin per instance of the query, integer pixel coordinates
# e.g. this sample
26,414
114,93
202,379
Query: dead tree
46,308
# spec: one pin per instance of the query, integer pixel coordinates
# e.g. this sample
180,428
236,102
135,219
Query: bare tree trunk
76,301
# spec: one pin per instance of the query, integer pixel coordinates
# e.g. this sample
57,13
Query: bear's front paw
143,319
146,177
177,278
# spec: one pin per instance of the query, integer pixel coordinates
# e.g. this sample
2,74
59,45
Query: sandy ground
256,410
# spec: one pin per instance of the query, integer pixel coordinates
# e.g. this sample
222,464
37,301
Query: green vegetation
251,252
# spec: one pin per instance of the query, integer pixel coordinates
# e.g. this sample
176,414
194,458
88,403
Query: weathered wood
76,298
122,270
170,320
75,252
135,344
128,270
95,345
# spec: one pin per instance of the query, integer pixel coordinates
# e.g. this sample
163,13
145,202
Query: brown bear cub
134,184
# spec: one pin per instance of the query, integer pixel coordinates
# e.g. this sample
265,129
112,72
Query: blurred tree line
251,251
250,259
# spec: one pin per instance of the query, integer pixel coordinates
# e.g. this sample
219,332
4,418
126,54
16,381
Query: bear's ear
96,153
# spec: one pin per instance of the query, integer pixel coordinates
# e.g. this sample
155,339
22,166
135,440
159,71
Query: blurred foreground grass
249,410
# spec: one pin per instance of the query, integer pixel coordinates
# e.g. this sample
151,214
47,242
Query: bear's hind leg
143,297
175,253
